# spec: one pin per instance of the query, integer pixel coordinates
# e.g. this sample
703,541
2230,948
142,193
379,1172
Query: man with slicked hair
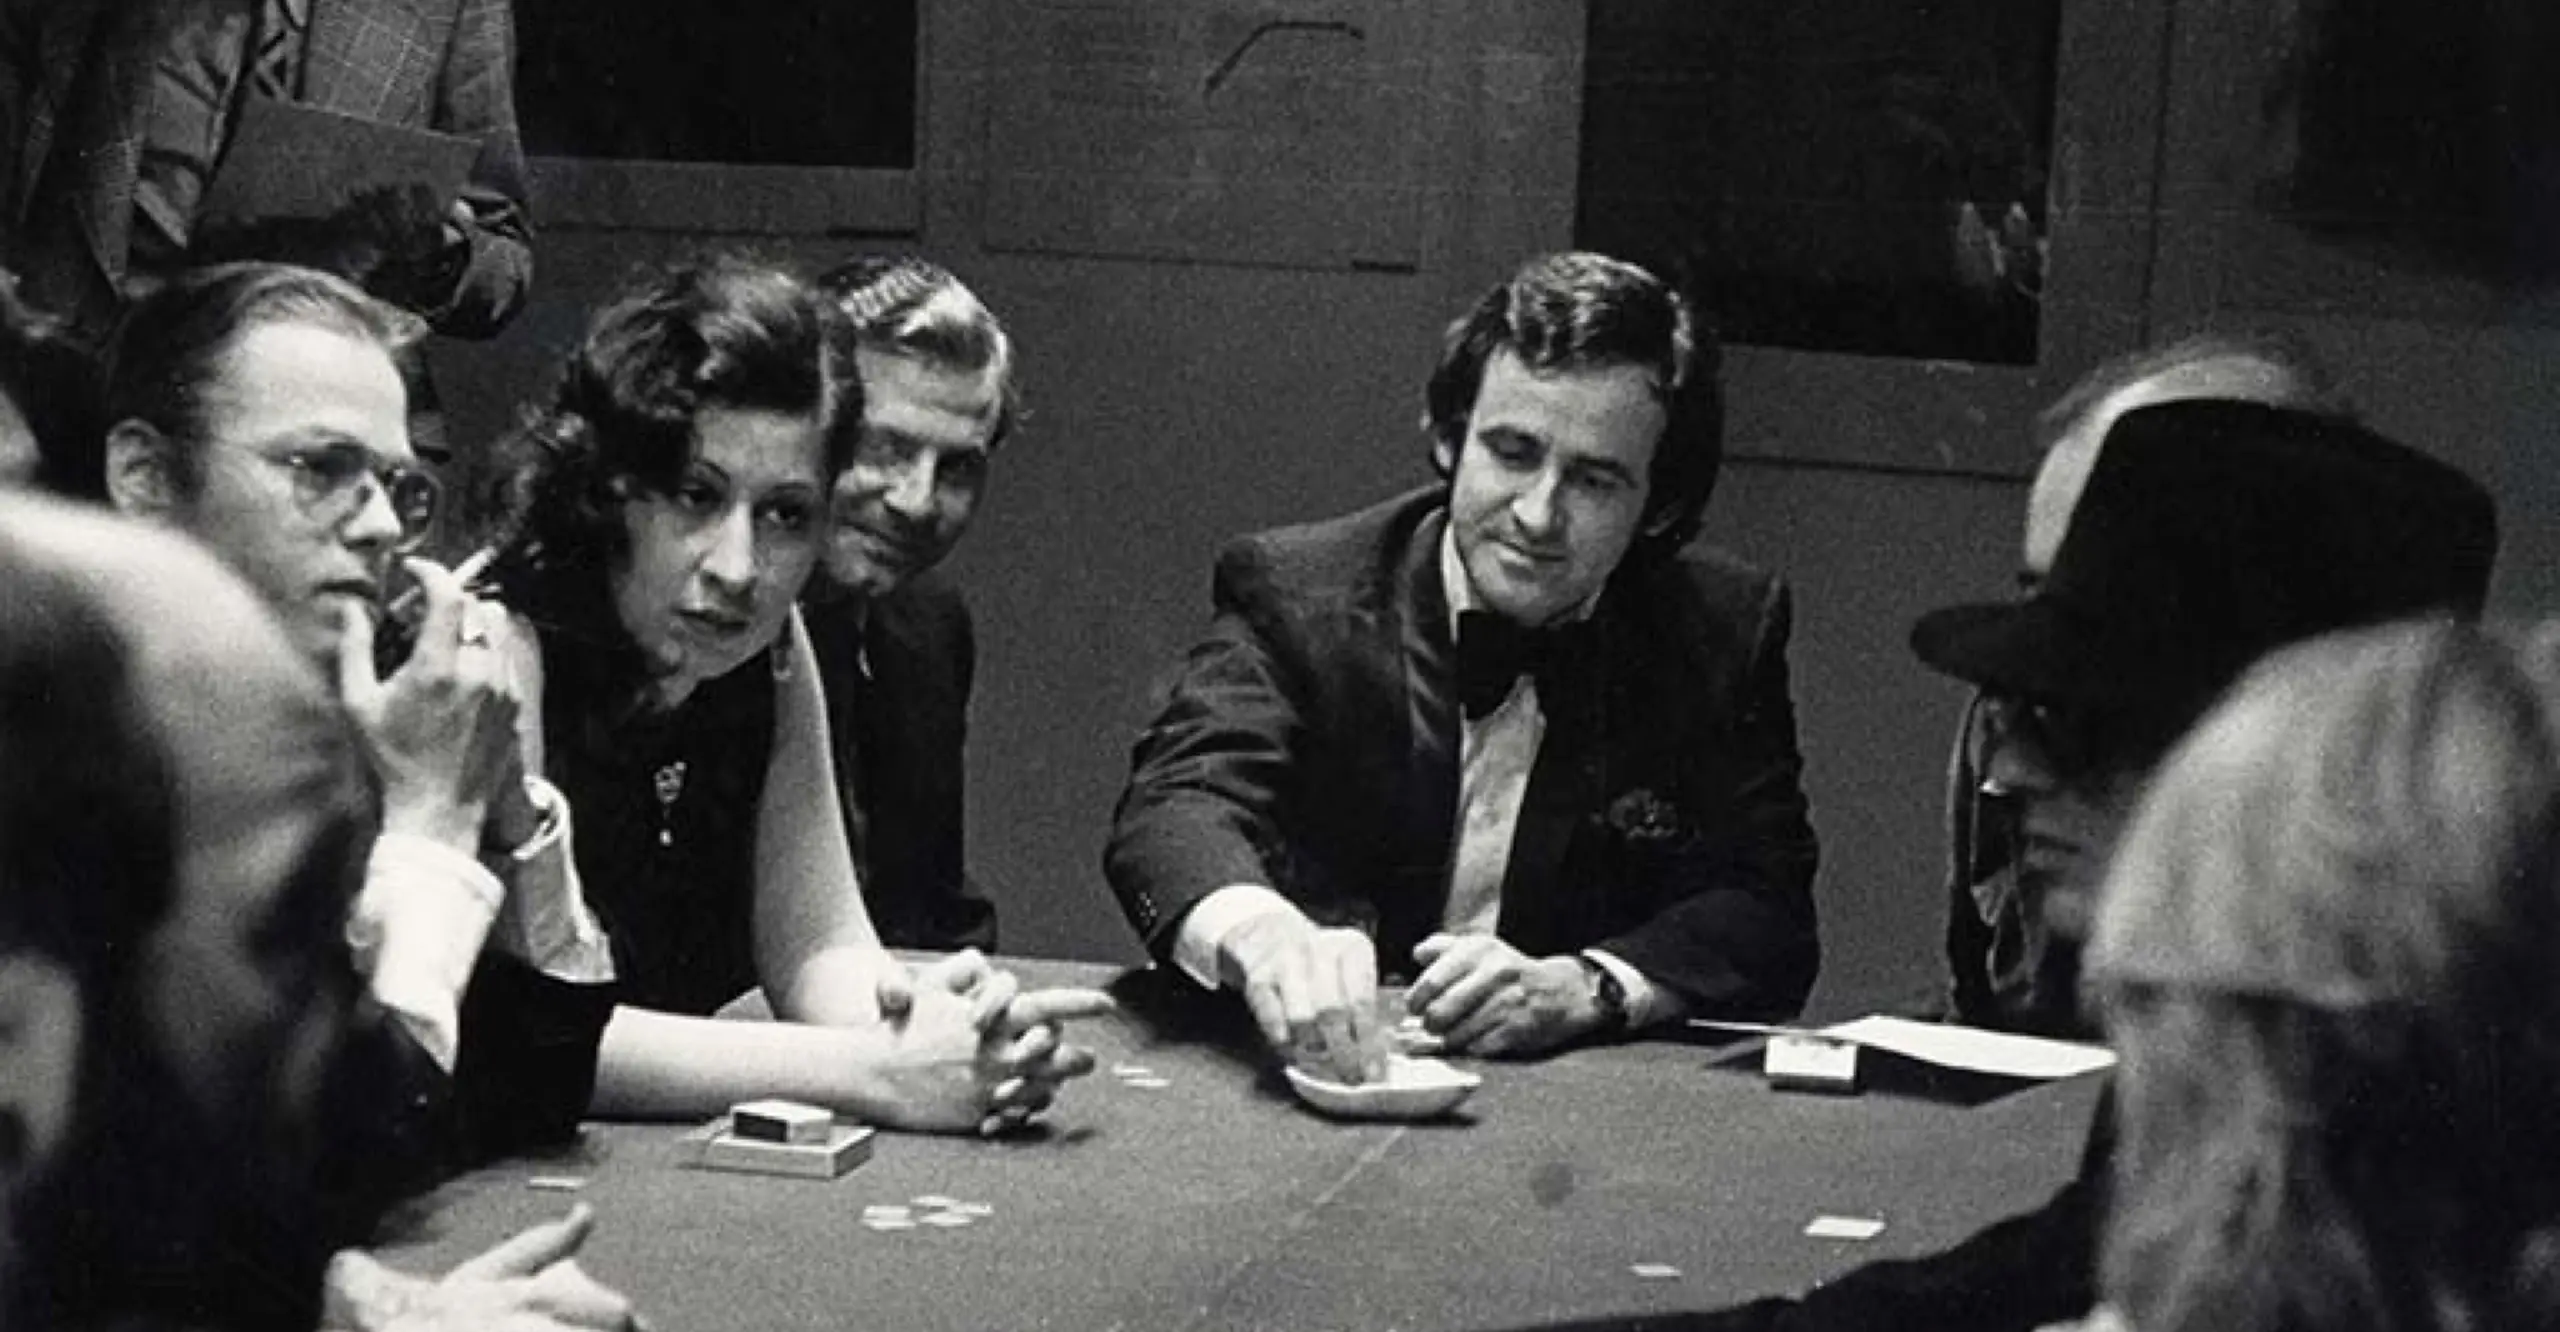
894,640
1510,735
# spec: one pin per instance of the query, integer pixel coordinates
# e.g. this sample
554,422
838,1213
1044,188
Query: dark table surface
1219,1202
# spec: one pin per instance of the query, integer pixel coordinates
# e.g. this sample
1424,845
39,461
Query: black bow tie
1494,652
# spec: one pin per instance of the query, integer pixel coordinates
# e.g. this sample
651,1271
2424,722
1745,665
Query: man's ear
40,1022
1444,453
142,477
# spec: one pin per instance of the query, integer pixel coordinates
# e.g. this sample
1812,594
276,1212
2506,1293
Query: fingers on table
1033,1007
990,1000
960,973
565,1293
533,1249
1462,980
1329,997
1490,1027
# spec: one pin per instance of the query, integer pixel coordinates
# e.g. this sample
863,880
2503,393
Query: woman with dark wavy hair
672,511
2326,952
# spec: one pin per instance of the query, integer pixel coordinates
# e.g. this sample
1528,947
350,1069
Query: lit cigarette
406,604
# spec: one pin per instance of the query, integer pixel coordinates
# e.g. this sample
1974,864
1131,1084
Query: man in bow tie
1509,735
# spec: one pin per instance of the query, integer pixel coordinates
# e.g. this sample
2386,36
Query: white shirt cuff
545,921
417,927
1646,1004
1199,941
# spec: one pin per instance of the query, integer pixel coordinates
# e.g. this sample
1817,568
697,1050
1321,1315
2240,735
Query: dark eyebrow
1610,466
320,439
910,442
1511,432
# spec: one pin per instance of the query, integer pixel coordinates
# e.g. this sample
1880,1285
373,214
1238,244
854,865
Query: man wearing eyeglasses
259,408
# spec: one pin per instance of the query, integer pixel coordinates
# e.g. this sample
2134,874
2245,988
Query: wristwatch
1607,993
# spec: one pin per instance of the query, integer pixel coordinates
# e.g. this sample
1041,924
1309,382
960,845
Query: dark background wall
1175,405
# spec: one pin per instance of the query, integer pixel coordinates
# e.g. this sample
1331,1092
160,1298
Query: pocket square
1641,816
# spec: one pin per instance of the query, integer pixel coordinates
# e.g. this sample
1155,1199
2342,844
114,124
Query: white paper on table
1974,1050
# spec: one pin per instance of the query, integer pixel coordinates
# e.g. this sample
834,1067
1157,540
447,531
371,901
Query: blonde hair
2328,951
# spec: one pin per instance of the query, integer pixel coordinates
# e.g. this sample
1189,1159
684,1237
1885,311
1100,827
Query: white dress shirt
425,909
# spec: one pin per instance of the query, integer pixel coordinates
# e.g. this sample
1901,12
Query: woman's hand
976,1051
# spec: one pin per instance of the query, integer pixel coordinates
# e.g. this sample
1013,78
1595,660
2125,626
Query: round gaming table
1653,1175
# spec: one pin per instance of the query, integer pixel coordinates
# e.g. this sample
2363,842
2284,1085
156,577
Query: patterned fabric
74,94
276,72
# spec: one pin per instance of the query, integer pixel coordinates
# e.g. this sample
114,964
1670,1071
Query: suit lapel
104,105
59,61
1423,715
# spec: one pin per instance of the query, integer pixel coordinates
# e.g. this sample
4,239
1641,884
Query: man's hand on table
531,1283
989,1055
1482,996
1313,991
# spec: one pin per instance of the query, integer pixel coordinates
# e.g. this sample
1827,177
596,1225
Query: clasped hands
1008,1042
1314,992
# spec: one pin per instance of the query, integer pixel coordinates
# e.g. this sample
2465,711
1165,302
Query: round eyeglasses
330,485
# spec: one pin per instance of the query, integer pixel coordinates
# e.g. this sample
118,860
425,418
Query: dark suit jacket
1310,741
75,79
900,745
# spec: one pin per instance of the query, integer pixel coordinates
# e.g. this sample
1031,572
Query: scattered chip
1147,1084
1411,1037
1655,1271
949,1220
1132,1071
1845,1227
933,1200
556,1183
889,1222
897,1211
974,1208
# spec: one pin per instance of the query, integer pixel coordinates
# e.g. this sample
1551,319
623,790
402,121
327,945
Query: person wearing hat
1996,961
2206,534
1511,732
2188,539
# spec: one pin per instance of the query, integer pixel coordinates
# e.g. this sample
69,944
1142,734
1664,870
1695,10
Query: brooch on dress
667,783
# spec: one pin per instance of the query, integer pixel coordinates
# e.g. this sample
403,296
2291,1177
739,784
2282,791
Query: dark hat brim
2030,649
